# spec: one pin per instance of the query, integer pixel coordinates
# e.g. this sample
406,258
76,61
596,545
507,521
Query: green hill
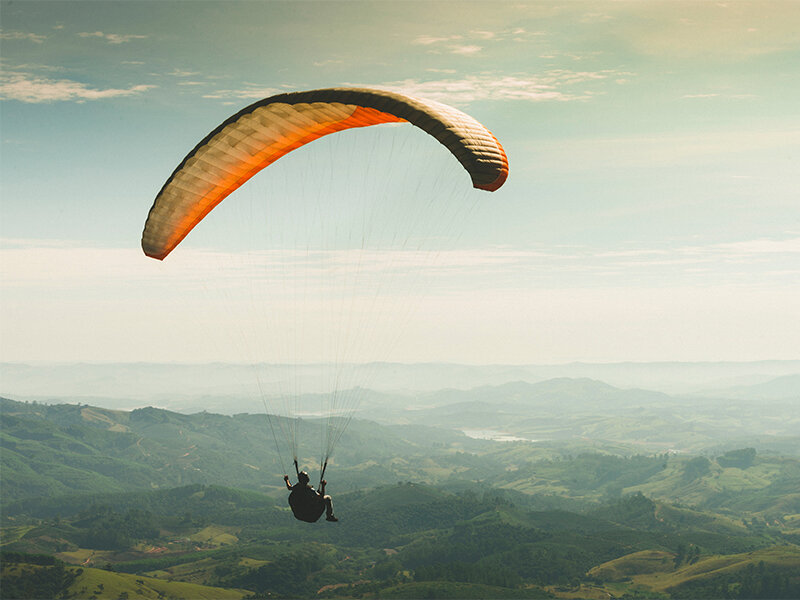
395,540
55,450
458,590
162,497
713,571
26,580
636,563
114,585
773,571
62,450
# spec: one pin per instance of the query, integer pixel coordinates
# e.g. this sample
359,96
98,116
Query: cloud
717,95
427,40
28,88
33,67
447,44
551,54
328,62
566,297
752,263
182,73
21,35
112,38
467,50
469,44
745,262
65,265
545,86
485,35
760,247
663,150
246,93
596,17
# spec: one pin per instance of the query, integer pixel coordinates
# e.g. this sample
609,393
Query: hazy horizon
203,386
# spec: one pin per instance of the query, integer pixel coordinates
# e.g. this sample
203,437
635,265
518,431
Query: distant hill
193,387
564,391
65,449
786,388
564,408
61,449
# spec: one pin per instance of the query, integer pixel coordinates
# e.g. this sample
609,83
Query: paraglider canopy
261,133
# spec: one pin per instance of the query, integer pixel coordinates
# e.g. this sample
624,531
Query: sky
651,211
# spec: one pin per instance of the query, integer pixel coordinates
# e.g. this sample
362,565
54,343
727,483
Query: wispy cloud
249,92
25,87
327,63
27,67
482,34
550,85
21,35
453,44
183,73
428,40
551,54
596,17
662,150
704,96
466,49
699,95
46,263
112,38
473,42
744,262
625,294
760,247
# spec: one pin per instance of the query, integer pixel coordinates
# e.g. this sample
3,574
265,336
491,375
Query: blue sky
651,212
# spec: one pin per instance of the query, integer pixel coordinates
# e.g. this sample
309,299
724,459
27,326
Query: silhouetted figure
307,503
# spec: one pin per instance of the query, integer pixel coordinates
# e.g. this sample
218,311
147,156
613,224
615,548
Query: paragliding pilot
307,503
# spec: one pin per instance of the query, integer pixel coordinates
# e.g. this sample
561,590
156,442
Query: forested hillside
151,504
392,541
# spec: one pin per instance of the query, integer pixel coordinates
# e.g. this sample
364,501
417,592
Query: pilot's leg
329,509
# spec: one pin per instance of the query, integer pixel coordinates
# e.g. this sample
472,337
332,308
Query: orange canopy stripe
222,187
